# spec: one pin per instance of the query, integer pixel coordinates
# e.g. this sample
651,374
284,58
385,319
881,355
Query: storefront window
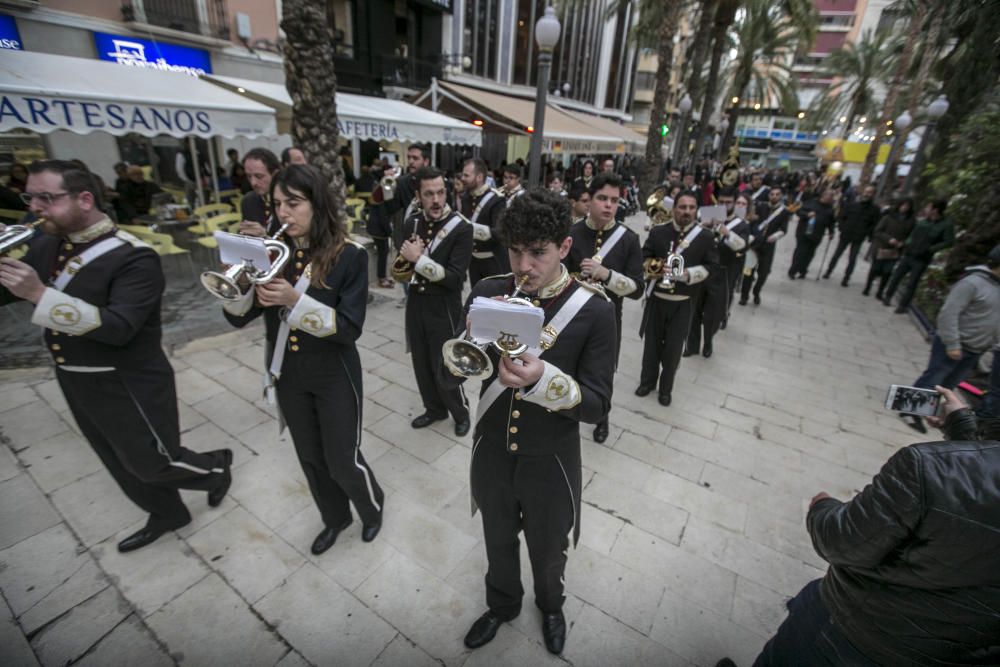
480,34
342,15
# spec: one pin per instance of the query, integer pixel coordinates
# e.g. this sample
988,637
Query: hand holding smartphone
913,400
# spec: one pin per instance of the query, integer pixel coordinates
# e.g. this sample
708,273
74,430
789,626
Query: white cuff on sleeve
241,305
66,314
698,273
429,269
620,284
555,390
776,236
481,232
313,317
735,242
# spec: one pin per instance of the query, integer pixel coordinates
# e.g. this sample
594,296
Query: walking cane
822,262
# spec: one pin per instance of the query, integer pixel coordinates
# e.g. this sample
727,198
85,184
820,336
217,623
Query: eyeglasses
45,197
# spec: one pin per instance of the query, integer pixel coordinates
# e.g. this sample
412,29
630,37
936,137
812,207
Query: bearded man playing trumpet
433,261
97,291
525,469
607,253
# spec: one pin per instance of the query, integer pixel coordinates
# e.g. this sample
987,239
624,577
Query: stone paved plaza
693,531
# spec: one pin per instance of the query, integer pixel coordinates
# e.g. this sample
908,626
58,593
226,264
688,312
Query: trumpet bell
465,359
228,286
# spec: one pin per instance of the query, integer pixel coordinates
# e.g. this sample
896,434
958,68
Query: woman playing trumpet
314,314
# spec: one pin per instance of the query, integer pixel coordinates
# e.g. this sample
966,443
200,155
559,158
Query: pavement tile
29,423
401,651
231,413
130,643
95,507
422,443
14,647
24,511
697,499
636,508
73,634
325,623
757,608
10,467
598,640
615,464
270,494
421,484
622,593
424,537
246,552
193,386
598,529
14,395
190,627
660,455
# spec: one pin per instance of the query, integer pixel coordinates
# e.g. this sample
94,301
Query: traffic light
664,130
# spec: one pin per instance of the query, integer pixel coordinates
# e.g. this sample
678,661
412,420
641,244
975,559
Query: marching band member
526,471
512,187
579,201
757,190
732,259
97,294
436,257
482,207
667,315
607,252
711,305
313,316
260,165
771,224
586,175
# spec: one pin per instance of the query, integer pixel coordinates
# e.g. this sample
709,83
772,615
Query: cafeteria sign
145,54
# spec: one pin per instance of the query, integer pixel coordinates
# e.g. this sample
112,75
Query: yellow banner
849,151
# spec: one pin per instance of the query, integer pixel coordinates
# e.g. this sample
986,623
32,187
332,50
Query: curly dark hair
538,216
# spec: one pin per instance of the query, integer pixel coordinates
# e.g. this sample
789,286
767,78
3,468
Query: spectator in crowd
890,233
292,155
232,159
967,326
579,202
932,234
856,223
816,218
584,179
555,183
608,165
136,195
18,177
913,576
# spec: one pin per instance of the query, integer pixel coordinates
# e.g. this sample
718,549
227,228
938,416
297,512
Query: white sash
759,190
482,204
690,236
732,224
550,332
77,262
763,226
615,237
274,372
440,236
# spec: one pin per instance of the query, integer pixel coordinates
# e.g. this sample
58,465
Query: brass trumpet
672,268
466,359
402,268
14,236
388,182
240,278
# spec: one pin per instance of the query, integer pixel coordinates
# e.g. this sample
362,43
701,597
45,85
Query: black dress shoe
664,400
327,537
843,283
216,495
756,299
900,310
722,325
425,420
743,302
147,535
462,428
706,351
369,531
688,352
554,632
483,630
643,390
826,276
601,432
791,276
866,291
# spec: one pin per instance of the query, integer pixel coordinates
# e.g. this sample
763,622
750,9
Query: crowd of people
896,590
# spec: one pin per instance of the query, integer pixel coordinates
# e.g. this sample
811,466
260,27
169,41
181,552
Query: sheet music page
236,249
491,319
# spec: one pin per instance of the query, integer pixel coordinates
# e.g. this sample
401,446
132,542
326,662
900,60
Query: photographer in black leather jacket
914,575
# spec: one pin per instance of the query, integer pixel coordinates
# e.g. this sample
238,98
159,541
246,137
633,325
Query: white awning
44,92
363,117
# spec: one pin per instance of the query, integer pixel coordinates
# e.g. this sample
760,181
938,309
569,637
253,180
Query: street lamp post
723,127
684,106
937,108
547,35
899,129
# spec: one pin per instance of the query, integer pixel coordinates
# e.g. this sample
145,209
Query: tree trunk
312,84
725,14
702,39
654,140
892,97
742,82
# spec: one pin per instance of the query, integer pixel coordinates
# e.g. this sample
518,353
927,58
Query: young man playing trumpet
607,252
97,294
526,472
667,316
434,260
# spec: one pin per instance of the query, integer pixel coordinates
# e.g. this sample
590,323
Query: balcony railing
183,15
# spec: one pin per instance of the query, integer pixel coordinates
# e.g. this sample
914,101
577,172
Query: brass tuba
240,278
656,207
465,359
402,268
672,268
14,236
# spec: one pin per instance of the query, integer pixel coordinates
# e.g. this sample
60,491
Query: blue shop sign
136,52
10,38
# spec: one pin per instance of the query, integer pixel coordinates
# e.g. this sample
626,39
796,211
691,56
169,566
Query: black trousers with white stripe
321,404
130,419
539,495
432,319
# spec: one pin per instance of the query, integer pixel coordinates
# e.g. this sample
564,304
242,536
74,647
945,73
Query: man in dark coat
816,217
857,223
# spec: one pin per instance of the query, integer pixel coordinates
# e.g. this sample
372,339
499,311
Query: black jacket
254,209
813,228
702,252
858,220
453,253
584,352
760,228
914,574
893,226
490,215
625,258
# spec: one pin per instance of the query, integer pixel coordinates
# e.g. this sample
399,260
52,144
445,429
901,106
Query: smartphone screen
912,400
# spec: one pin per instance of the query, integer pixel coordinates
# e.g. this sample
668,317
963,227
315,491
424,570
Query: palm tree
856,70
725,14
917,10
769,35
312,84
